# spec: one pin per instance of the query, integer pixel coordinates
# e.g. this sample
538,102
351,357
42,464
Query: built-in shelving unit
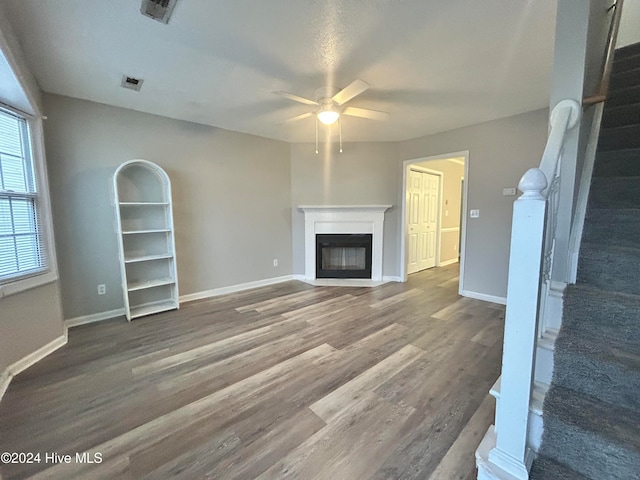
145,237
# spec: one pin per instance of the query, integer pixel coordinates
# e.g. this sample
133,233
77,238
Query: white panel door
429,224
423,201
414,192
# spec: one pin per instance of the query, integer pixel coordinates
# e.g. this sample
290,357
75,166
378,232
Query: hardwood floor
288,382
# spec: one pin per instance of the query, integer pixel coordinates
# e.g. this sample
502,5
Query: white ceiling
433,65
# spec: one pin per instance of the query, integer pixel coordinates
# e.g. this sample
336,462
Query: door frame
440,175
463,227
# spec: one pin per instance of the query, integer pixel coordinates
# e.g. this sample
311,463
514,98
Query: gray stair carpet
591,412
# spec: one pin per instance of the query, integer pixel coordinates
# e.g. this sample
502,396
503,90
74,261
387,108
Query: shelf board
147,258
151,230
149,308
129,204
158,282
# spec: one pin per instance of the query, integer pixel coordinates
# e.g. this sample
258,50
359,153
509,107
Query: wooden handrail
603,85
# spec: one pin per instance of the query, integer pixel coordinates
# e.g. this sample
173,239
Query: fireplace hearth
343,255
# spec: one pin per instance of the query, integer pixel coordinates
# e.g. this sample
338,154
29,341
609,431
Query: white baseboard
487,470
535,421
100,316
94,317
31,359
552,314
448,262
235,288
543,370
391,278
485,297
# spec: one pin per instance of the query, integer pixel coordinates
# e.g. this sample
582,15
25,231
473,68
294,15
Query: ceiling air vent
159,10
131,83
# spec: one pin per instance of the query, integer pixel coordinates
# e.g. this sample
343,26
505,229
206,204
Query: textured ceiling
433,65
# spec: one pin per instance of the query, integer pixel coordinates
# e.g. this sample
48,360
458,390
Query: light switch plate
509,192
474,213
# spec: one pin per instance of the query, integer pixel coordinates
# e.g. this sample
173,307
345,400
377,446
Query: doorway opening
433,230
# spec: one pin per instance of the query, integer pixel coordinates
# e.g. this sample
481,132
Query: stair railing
600,95
531,258
530,262
597,99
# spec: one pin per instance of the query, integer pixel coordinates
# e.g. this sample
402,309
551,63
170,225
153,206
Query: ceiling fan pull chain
340,126
316,135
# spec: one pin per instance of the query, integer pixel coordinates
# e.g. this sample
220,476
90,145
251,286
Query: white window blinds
21,248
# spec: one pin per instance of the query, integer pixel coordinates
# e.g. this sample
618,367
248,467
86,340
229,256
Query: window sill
27,283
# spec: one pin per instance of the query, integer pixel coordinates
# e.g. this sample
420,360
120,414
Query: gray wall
365,173
28,321
500,152
231,194
33,318
629,32
230,187
371,173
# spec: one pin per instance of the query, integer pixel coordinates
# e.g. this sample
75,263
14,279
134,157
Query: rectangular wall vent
159,10
131,83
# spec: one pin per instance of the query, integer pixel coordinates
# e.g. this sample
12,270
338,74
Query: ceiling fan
330,102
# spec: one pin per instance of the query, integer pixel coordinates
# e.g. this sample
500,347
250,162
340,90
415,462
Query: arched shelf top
142,181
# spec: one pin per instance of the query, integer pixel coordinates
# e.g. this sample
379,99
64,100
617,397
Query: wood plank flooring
283,382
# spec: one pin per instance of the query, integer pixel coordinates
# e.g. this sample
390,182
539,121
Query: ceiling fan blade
299,117
347,93
365,113
296,98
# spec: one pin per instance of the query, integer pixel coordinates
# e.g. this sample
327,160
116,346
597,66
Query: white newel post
511,453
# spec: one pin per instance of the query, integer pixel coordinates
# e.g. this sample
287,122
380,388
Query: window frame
49,273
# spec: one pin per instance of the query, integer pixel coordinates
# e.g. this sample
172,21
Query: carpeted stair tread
619,116
545,468
619,138
615,192
628,78
620,163
591,412
594,438
626,51
613,316
612,226
610,268
598,368
622,96
625,64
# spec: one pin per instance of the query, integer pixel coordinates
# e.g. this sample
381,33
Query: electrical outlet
102,289
275,262
509,192
474,213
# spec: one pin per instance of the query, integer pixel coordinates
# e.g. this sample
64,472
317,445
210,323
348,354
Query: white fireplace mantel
343,219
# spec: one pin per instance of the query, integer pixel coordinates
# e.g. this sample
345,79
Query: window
21,240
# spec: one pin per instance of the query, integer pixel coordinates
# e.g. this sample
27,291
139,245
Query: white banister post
510,453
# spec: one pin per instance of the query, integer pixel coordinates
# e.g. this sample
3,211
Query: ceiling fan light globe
328,117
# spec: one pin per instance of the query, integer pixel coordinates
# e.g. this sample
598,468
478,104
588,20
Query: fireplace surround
344,220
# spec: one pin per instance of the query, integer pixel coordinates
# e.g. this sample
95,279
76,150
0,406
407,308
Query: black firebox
343,255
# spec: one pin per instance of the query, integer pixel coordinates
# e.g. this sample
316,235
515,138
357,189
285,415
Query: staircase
592,410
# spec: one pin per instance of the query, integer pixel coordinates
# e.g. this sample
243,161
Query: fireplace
338,222
343,255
